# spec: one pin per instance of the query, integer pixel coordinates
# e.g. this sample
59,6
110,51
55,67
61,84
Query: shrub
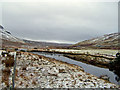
115,65
9,62
5,76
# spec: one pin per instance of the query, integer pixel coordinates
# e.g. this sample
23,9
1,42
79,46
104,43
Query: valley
41,60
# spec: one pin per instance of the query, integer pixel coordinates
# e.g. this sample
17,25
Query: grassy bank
97,61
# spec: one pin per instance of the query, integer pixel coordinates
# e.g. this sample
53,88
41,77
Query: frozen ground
92,51
35,71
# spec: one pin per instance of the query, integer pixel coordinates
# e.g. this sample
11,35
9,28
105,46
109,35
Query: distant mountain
108,41
6,35
8,40
45,44
1,27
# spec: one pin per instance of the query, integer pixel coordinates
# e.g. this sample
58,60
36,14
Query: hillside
108,41
45,44
6,35
8,40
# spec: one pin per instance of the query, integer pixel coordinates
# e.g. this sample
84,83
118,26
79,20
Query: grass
97,61
5,76
9,62
90,51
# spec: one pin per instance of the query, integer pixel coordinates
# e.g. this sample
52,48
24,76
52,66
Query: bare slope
8,40
105,41
6,35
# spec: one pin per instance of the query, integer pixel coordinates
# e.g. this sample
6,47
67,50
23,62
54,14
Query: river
94,70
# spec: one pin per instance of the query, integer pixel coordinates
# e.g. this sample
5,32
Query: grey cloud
70,22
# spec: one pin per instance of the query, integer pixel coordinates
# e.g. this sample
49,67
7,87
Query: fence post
14,70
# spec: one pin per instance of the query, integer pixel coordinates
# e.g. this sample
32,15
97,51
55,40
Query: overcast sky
66,22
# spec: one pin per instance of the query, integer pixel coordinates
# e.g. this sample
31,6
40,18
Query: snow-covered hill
9,40
105,41
6,35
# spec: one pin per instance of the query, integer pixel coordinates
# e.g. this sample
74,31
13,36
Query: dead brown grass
5,76
9,62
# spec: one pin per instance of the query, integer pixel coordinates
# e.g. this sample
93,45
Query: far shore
97,57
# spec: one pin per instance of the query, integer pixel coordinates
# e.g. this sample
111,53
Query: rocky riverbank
35,71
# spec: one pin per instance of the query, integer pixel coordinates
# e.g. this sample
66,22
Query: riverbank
33,71
108,54
93,60
97,57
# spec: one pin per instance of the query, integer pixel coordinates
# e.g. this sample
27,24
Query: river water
94,70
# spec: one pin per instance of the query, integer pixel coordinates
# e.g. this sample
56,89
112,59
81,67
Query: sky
60,22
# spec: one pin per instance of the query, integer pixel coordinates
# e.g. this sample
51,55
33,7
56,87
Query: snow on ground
8,36
92,51
35,71
0,52
110,37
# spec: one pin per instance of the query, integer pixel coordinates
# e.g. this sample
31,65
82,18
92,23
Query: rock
105,77
53,71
